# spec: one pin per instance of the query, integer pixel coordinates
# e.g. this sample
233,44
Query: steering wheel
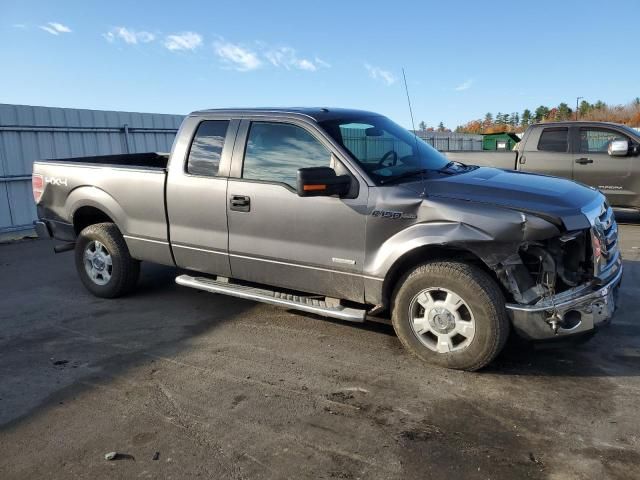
385,156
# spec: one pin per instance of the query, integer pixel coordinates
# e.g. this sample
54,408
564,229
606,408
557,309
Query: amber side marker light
309,188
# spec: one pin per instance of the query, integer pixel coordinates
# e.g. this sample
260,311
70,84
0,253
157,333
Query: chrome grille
604,239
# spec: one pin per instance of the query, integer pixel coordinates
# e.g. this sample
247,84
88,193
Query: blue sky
462,59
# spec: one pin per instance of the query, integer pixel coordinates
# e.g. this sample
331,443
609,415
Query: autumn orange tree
628,114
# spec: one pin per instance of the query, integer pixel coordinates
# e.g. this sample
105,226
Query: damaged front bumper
575,311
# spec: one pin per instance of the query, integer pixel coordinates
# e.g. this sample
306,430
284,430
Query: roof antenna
413,126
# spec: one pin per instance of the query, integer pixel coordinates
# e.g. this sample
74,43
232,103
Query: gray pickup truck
599,154
345,214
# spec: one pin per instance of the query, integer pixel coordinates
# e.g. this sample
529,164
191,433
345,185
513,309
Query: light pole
577,100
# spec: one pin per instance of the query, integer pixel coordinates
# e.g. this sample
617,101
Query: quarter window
206,149
593,140
275,152
553,140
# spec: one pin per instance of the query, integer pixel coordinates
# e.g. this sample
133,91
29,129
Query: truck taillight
37,184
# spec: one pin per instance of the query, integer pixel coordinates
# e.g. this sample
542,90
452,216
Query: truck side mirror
321,182
618,148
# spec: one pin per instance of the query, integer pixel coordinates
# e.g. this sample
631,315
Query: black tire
124,270
483,299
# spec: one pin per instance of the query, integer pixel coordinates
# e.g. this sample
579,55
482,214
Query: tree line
628,114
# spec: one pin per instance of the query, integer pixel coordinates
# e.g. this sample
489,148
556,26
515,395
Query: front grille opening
560,263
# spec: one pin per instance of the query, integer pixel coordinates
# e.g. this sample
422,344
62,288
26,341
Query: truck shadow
66,341
59,341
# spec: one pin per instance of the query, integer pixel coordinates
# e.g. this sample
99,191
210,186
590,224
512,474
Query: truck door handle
240,203
584,161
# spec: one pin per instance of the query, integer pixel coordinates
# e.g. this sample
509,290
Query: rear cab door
197,193
546,151
593,165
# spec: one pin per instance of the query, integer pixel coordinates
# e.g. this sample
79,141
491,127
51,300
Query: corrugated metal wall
31,133
451,141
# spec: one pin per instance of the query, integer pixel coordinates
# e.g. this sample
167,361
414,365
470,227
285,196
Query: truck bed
504,160
129,189
133,160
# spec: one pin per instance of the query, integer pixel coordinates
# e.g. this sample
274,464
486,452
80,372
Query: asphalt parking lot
184,383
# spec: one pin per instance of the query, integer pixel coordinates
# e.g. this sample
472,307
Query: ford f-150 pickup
600,154
345,214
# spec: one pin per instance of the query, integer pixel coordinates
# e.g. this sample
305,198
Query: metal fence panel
451,141
30,133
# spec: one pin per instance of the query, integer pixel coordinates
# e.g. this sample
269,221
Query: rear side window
275,152
206,149
553,140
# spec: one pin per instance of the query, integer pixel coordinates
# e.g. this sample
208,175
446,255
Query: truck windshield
383,148
634,133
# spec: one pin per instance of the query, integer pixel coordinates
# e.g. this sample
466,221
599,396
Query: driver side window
370,145
597,140
275,152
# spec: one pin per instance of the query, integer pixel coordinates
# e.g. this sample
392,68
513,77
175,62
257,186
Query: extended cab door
593,165
197,194
546,151
309,244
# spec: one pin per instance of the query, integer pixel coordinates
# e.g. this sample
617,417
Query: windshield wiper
407,174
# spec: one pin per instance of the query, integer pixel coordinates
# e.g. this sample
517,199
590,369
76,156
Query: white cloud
464,86
304,64
55,28
243,58
183,41
22,26
378,73
322,63
287,57
131,37
236,56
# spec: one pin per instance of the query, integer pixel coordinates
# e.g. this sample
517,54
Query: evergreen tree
584,108
526,118
422,126
564,112
441,127
541,113
488,121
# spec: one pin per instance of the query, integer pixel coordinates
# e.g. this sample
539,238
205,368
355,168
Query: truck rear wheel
103,261
450,314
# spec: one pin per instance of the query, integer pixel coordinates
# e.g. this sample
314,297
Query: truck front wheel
103,261
450,314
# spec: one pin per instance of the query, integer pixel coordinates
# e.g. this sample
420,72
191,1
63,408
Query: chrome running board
311,304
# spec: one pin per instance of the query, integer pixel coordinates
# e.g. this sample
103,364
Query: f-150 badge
393,215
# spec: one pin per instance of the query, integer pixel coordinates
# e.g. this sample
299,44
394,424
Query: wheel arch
88,215
425,253
90,205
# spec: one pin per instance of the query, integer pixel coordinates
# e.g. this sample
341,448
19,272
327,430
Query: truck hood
552,198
